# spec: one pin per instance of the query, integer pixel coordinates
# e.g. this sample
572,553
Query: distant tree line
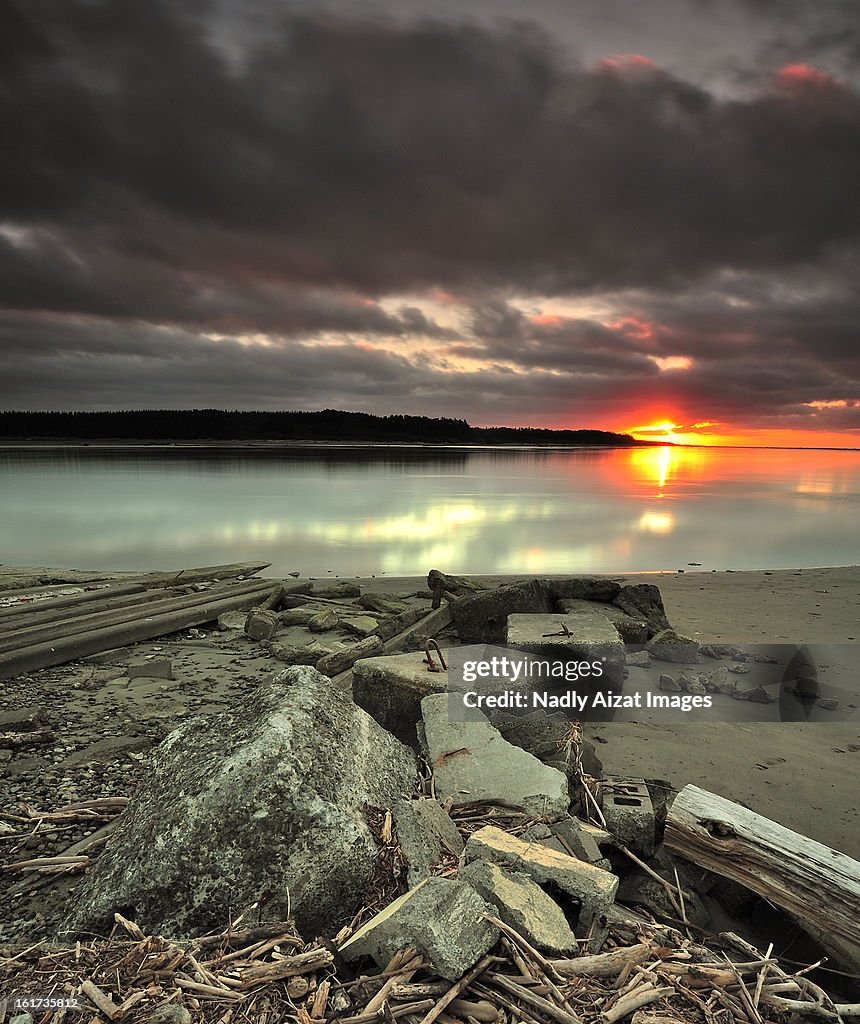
327,425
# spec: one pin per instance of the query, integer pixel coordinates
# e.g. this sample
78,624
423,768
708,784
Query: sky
641,217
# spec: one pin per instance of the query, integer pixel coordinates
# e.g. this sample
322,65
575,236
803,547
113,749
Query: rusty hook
428,657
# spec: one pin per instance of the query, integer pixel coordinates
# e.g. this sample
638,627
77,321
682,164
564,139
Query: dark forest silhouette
328,425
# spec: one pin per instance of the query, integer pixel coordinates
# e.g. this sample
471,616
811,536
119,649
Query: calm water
360,512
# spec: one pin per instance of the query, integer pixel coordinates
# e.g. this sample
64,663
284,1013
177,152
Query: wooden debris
248,973
819,886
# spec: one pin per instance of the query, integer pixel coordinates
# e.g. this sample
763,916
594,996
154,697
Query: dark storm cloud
388,156
804,31
46,270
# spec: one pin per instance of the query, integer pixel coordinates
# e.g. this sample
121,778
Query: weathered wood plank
43,611
80,645
151,602
817,885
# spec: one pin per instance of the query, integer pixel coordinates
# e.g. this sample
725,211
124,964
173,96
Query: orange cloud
625,62
640,330
793,76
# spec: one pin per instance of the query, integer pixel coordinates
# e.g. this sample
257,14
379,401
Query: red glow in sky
802,75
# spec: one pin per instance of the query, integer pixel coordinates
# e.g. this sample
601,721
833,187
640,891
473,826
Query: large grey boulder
263,800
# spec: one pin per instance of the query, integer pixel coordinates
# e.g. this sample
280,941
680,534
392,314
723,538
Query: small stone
292,654
668,645
323,622
828,703
383,604
22,719
297,616
261,624
154,669
232,620
669,683
639,659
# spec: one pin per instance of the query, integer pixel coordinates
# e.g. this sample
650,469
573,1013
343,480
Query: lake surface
351,512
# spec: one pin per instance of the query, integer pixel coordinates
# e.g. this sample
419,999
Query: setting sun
665,430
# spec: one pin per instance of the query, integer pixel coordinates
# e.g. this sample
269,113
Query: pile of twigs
30,823
268,975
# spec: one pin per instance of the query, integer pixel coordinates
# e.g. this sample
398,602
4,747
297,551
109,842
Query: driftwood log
818,886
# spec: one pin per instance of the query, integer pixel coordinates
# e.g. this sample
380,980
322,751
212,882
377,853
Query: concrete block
345,657
577,839
643,601
440,917
566,836
667,645
582,588
425,833
638,659
323,621
631,630
298,616
360,625
261,624
471,761
629,812
590,887
157,668
390,689
545,735
523,905
590,638
482,618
